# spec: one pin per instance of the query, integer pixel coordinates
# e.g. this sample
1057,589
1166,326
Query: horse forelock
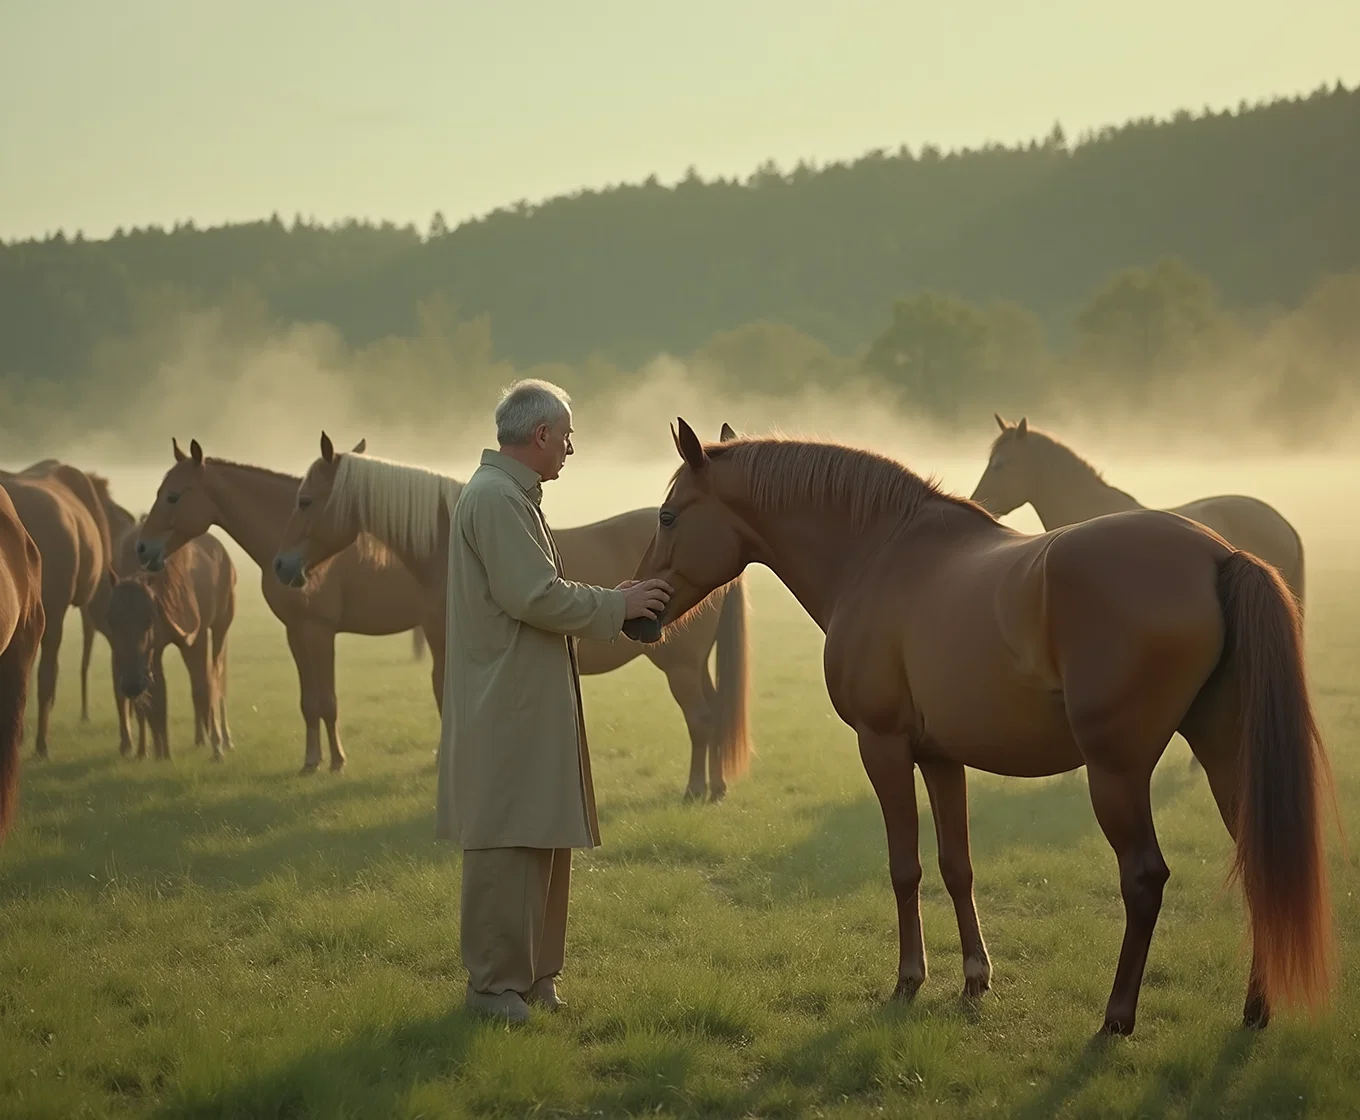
395,505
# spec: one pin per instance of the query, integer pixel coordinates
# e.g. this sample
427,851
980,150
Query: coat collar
525,478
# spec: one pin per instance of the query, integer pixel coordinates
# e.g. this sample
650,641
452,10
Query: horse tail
732,726
1283,766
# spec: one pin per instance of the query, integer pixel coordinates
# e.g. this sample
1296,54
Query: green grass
184,939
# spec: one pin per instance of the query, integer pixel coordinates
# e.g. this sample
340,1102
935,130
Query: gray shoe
544,991
507,1005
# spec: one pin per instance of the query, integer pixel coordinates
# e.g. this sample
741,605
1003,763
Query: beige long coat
514,767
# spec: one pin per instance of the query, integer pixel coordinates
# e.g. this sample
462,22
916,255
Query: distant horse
953,641
1028,465
407,507
22,621
61,511
94,613
361,590
190,604
418,644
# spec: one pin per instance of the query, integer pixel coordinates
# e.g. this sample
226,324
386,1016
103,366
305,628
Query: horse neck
816,552
253,507
1069,490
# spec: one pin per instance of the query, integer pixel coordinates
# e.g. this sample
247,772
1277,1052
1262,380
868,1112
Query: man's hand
645,598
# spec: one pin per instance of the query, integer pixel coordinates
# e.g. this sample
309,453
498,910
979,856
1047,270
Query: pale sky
139,111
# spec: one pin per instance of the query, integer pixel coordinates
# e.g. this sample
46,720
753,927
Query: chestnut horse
407,508
61,511
190,604
22,621
361,590
953,641
1028,465
93,614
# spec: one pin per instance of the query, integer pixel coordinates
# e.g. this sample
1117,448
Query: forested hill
1261,201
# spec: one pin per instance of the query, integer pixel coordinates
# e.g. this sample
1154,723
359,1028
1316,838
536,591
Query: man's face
554,445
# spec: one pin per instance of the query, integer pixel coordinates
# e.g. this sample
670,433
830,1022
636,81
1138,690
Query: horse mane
1054,446
397,503
367,545
784,472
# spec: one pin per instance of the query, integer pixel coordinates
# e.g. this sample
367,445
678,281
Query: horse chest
866,678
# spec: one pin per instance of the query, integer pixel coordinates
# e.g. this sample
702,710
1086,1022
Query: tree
1150,323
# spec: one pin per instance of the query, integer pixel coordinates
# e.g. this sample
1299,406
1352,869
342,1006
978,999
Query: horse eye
667,518
171,499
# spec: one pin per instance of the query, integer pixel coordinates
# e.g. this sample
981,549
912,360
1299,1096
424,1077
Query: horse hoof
1256,1014
973,989
308,768
1118,1027
907,987
691,796
717,796
336,767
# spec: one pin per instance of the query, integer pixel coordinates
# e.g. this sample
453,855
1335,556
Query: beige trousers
514,916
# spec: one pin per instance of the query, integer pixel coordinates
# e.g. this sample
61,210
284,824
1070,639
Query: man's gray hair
526,405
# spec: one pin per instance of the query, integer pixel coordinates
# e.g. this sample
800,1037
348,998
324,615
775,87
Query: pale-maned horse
61,511
954,641
1029,465
362,590
22,621
190,604
344,495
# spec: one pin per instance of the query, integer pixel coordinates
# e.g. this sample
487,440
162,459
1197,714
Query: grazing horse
22,621
361,590
61,511
1028,465
407,509
953,640
190,604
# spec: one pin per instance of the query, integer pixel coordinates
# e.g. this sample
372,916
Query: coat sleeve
523,578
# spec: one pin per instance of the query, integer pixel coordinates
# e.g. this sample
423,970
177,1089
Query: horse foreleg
197,659
86,648
311,711
322,643
1122,801
123,706
947,788
160,716
219,671
47,675
887,760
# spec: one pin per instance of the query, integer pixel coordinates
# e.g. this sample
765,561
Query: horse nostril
278,565
141,548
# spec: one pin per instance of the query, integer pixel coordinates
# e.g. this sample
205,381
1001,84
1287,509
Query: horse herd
951,641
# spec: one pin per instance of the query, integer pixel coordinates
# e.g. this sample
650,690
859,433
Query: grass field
184,939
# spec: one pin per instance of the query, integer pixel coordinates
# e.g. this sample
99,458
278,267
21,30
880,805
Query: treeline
1136,261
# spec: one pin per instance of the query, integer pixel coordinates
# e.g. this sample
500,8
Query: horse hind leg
947,788
1211,730
687,689
1122,800
86,649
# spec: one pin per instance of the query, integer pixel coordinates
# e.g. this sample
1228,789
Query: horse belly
1018,732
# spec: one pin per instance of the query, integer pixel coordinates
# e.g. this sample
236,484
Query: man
514,770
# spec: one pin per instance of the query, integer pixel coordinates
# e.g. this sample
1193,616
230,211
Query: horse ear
196,452
691,450
327,448
1000,423
1023,427
179,451
727,435
360,447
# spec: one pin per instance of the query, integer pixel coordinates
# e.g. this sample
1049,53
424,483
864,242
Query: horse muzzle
290,571
645,630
